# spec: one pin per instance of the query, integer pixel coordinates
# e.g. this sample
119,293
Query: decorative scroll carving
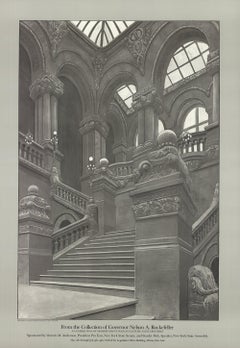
147,97
91,123
48,83
57,30
203,294
98,64
33,205
212,152
157,207
138,41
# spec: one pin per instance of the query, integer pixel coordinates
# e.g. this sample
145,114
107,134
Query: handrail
122,168
33,152
204,225
70,234
73,197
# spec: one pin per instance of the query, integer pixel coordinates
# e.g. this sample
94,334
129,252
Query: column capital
48,83
213,63
146,98
94,122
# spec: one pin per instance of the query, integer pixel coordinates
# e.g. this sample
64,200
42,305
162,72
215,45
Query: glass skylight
196,120
102,32
126,93
186,61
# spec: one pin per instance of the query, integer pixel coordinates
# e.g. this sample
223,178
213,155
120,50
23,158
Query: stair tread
98,258
87,246
101,252
93,264
86,285
84,276
89,270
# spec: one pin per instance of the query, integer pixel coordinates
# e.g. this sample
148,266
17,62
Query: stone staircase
104,264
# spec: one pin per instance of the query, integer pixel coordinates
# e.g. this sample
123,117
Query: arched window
196,120
186,61
125,94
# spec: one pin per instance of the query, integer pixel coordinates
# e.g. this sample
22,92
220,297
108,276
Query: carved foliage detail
98,65
57,30
138,41
94,123
157,207
48,83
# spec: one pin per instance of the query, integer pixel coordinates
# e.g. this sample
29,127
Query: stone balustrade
66,194
195,144
33,152
205,225
122,168
70,234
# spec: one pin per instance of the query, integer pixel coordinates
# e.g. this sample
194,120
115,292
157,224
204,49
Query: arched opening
196,120
70,140
187,60
64,223
26,104
215,269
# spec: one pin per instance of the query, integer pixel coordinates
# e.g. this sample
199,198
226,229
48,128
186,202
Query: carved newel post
104,189
92,213
163,211
34,236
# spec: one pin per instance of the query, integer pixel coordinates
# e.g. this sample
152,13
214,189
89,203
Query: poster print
118,170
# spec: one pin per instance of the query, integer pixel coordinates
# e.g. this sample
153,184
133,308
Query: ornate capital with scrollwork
213,63
138,41
48,83
146,98
57,30
33,206
91,123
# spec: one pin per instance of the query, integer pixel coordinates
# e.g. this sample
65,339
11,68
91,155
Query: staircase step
100,253
96,259
114,280
104,289
118,232
121,247
94,266
114,236
91,273
116,242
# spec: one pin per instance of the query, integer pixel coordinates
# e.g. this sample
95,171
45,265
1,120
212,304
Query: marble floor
36,302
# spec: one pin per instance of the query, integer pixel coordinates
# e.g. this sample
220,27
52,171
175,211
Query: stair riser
115,281
113,248
94,267
118,232
110,292
86,260
98,254
113,238
109,243
91,274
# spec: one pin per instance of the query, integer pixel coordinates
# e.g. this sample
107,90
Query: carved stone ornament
164,161
213,63
157,207
57,30
34,206
138,41
91,123
98,65
48,83
212,152
145,98
203,294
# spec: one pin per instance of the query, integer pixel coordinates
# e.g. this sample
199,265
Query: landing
36,302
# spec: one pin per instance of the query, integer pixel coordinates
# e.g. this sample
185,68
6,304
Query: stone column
45,91
94,132
120,152
147,104
163,211
34,236
212,129
104,189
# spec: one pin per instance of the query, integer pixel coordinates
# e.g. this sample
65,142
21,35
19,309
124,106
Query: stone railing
62,238
205,224
33,152
122,168
196,143
68,195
